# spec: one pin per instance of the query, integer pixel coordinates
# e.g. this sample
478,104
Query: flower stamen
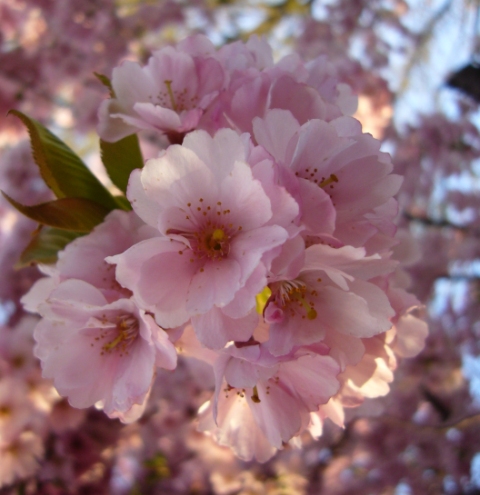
330,180
255,398
168,84
294,290
127,326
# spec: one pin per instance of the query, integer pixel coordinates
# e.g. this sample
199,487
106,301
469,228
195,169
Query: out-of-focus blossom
21,453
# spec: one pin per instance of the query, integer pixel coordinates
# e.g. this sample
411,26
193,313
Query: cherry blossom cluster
262,241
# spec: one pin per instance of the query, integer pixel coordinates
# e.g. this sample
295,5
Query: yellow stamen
311,313
127,327
168,84
216,239
262,299
333,178
218,235
114,342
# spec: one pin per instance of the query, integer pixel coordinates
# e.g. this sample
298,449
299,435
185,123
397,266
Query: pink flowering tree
232,297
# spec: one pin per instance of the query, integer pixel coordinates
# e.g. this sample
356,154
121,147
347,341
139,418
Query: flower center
127,327
313,176
213,243
211,233
168,84
293,293
177,100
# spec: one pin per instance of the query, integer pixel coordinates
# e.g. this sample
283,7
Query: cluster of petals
93,340
261,242
169,94
217,233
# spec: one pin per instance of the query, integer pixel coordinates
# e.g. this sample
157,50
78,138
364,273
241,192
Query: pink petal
158,276
411,335
275,131
147,209
214,329
155,116
244,300
301,100
178,178
165,352
133,378
312,378
248,247
245,197
220,152
277,414
317,210
349,313
214,284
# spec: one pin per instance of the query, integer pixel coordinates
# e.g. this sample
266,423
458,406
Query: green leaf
77,214
121,158
106,82
62,170
44,246
123,203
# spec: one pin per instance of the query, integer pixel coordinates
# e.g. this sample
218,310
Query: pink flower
366,378
256,86
321,76
335,164
371,377
84,258
262,402
215,220
93,341
256,53
408,334
20,453
169,94
17,410
95,350
331,295
16,346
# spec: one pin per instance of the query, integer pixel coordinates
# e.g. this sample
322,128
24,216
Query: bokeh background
412,64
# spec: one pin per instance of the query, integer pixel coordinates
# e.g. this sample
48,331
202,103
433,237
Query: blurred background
413,65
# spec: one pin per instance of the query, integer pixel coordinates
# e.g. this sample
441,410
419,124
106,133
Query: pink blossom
17,411
20,454
366,378
16,345
215,221
267,256
255,53
89,318
408,334
169,94
256,85
371,377
335,164
96,350
262,402
252,93
84,258
331,295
